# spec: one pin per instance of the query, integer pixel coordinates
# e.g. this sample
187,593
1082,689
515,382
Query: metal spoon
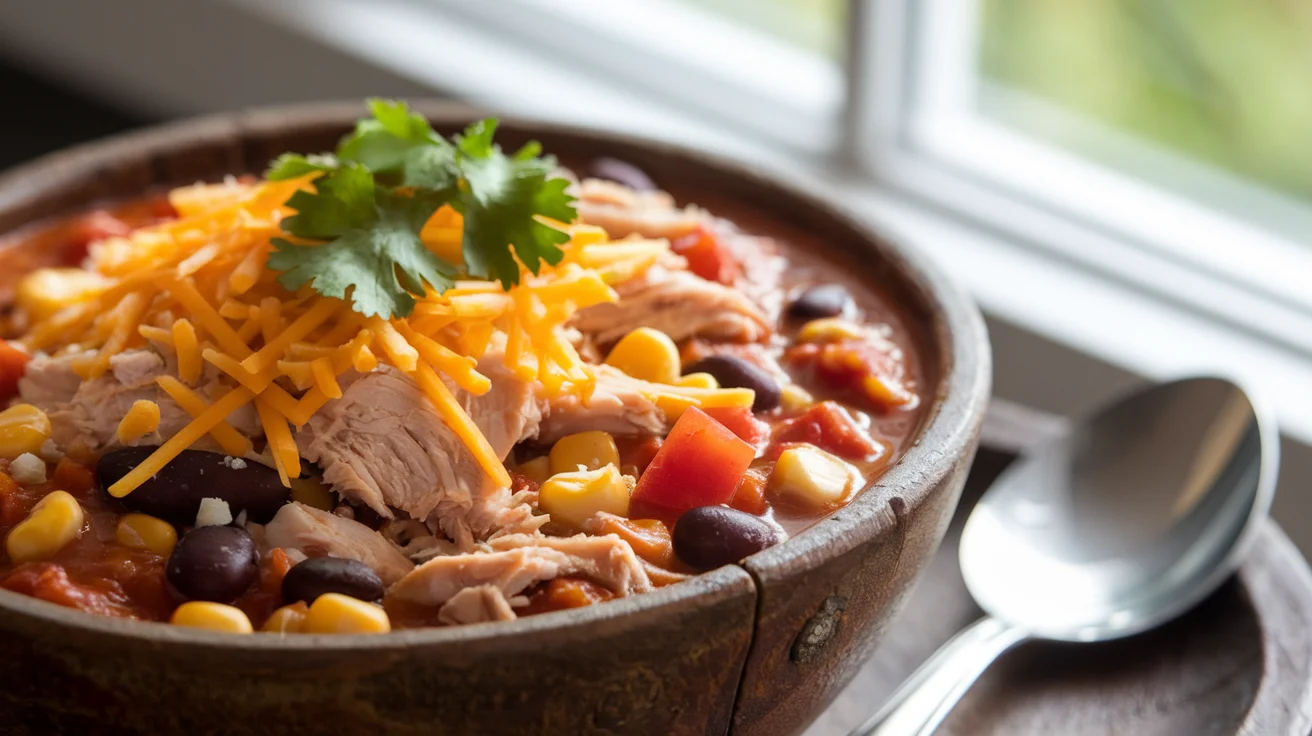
1124,523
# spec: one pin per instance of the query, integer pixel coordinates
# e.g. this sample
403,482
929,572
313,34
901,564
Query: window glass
1223,82
815,25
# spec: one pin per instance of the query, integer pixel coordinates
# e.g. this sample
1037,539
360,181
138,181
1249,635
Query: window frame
913,127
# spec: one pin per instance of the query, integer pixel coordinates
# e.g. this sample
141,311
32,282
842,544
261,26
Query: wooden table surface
1239,663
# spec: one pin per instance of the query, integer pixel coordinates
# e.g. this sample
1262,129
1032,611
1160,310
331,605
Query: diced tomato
563,593
12,507
871,370
13,363
742,422
649,538
50,582
275,568
829,427
750,496
74,477
638,452
90,228
706,256
520,482
700,464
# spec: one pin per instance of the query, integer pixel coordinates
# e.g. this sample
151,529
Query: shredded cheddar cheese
141,420
198,289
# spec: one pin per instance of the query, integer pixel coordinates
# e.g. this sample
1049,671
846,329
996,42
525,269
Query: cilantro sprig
358,232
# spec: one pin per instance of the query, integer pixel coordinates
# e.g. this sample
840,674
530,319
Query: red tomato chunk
743,423
699,464
92,227
870,370
706,256
827,426
13,363
50,582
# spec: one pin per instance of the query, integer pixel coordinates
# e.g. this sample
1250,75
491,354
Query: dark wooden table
1240,663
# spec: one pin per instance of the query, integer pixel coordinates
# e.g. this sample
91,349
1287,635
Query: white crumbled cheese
50,452
213,512
241,518
28,468
235,463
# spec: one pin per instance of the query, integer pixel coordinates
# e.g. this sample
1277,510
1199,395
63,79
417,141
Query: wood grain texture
1241,662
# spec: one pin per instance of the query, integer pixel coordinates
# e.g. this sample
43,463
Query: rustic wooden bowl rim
957,332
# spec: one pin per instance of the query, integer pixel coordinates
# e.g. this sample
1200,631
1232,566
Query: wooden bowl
758,648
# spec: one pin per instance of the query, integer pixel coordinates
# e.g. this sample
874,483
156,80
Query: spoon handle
925,699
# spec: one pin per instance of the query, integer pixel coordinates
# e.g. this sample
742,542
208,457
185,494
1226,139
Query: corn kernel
573,498
647,354
830,329
537,470
141,420
311,491
55,521
334,613
45,291
792,396
699,380
23,428
673,406
212,616
289,619
146,532
592,450
812,477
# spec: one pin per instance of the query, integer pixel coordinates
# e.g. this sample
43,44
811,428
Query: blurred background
1125,186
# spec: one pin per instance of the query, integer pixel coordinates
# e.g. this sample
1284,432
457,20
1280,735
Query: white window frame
917,130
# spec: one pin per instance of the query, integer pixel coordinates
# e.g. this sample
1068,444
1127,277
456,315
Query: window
1140,121
1222,82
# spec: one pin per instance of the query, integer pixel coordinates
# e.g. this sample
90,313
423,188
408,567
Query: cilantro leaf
344,200
374,250
501,199
292,165
388,177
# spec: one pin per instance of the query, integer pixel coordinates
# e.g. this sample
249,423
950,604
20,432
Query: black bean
708,537
823,300
174,493
318,575
734,372
213,563
622,172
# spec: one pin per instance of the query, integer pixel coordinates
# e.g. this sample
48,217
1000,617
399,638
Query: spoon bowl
1125,522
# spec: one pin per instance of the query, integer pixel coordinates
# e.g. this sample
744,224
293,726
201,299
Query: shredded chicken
317,533
476,605
678,303
513,563
384,445
619,405
621,211
87,413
